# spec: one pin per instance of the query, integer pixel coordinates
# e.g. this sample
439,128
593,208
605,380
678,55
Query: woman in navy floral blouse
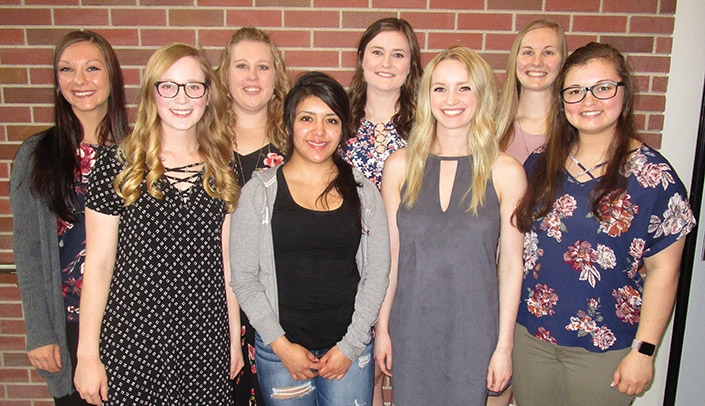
383,94
604,217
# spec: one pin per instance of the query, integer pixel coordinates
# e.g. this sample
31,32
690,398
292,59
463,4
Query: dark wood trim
686,271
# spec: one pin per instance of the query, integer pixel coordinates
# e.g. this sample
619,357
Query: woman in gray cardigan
310,258
48,181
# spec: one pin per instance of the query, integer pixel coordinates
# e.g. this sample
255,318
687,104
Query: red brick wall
313,34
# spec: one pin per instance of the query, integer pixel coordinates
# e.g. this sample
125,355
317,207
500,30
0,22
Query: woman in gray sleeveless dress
450,310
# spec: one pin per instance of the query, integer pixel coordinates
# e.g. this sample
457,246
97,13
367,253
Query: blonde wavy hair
275,109
509,101
481,140
140,151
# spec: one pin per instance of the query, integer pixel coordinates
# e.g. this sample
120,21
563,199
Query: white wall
682,115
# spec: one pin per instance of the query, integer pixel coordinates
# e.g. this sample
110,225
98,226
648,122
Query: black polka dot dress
165,338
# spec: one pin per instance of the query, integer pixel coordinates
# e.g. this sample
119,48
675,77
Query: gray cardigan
36,253
254,279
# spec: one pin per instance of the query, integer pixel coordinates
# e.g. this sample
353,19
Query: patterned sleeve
671,217
101,195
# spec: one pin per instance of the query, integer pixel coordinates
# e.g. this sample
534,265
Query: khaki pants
552,375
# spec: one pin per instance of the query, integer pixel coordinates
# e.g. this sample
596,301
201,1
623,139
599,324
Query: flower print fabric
581,284
266,157
360,150
542,300
272,159
585,323
617,213
247,390
246,384
72,236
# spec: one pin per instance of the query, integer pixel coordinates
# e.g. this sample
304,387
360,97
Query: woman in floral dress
383,94
604,217
252,68
47,195
383,102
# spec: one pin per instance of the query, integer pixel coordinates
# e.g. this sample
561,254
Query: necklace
586,171
240,170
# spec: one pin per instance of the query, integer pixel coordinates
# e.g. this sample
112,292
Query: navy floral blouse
72,236
582,286
362,152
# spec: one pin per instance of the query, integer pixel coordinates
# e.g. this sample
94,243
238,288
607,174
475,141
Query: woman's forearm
101,251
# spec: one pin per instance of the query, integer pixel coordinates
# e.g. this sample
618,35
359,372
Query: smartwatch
643,347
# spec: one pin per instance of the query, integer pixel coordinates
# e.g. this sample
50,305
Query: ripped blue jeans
279,388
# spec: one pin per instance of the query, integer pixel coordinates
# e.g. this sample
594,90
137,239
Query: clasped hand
302,364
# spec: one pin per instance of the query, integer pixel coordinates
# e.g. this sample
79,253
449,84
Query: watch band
644,347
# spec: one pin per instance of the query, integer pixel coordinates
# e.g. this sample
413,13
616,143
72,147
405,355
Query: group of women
458,279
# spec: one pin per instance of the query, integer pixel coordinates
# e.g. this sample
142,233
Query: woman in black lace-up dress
157,322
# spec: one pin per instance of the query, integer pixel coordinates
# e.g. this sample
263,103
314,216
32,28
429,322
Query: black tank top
317,274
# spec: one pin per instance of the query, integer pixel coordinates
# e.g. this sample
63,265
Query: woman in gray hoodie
310,257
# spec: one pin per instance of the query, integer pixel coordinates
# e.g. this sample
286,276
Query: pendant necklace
241,169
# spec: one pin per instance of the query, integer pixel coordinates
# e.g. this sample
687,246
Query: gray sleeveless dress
443,323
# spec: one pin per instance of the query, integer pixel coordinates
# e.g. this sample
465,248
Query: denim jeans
355,389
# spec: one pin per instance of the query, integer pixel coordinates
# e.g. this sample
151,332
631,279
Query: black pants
74,399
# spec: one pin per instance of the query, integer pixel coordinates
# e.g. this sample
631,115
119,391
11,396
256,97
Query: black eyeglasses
601,91
168,89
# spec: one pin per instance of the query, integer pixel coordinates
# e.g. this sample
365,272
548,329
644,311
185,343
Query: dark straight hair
333,95
55,157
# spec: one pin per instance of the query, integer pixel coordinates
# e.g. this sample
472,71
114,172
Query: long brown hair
405,107
546,178
509,100
55,155
331,93
275,122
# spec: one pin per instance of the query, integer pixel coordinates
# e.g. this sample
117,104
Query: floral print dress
72,236
365,153
268,156
582,286
247,390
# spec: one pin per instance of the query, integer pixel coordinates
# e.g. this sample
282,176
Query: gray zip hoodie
254,279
